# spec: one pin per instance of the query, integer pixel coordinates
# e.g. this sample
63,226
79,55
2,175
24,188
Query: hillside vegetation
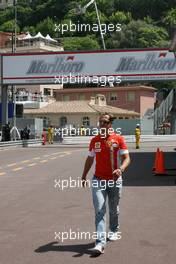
144,23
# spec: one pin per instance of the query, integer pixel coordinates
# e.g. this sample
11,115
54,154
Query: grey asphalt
32,209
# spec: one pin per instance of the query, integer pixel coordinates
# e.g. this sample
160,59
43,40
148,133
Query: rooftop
107,89
79,107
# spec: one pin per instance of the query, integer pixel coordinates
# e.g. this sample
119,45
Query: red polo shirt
107,152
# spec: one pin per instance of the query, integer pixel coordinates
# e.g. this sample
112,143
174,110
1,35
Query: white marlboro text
60,64
150,63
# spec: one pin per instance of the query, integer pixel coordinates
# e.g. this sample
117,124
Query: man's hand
84,182
117,173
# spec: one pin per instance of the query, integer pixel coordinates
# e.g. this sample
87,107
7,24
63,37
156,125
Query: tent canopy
38,36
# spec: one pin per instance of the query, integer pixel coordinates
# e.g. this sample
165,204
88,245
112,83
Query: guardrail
128,138
85,140
23,143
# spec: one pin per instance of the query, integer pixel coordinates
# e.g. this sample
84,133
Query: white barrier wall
130,65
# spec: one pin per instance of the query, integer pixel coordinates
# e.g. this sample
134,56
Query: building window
66,98
120,117
130,96
46,121
86,121
63,121
113,96
55,95
47,91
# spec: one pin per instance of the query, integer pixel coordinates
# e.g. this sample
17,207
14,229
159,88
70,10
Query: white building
77,113
26,43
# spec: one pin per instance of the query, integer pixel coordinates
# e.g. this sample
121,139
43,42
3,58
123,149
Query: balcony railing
31,44
30,97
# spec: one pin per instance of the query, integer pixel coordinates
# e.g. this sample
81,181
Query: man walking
112,158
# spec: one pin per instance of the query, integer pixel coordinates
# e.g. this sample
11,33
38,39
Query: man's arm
125,163
87,166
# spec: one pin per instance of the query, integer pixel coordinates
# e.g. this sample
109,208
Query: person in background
6,132
26,133
137,136
50,134
82,131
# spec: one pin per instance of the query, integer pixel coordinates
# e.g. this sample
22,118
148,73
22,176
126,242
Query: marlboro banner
129,65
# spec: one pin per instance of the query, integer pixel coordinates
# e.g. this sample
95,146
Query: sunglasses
104,122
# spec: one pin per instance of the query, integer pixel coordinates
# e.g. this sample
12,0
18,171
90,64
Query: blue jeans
100,190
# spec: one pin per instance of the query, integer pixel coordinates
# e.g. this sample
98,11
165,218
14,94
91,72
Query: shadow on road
140,171
80,249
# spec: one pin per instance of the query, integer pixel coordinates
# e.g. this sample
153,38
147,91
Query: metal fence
162,112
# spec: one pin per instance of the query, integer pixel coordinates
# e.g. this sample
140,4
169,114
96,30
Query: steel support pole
173,122
173,115
99,22
4,100
4,96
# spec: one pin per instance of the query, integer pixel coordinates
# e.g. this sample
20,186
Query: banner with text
130,65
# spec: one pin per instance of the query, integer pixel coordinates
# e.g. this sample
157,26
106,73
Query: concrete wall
127,127
146,102
147,126
74,119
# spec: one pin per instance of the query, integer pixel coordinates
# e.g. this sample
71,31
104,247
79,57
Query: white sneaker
113,236
98,249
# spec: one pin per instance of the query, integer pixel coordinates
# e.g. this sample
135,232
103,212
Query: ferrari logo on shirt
97,145
109,143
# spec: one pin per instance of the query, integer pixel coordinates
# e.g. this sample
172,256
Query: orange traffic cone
160,169
156,159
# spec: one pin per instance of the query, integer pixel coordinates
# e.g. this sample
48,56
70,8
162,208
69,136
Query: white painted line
32,164
2,173
25,161
43,161
53,158
12,164
17,169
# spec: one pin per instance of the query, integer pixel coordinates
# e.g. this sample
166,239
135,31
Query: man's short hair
111,117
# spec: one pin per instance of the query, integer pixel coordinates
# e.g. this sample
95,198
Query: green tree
170,18
120,17
139,34
30,29
9,26
24,15
152,36
6,15
83,43
141,8
46,26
